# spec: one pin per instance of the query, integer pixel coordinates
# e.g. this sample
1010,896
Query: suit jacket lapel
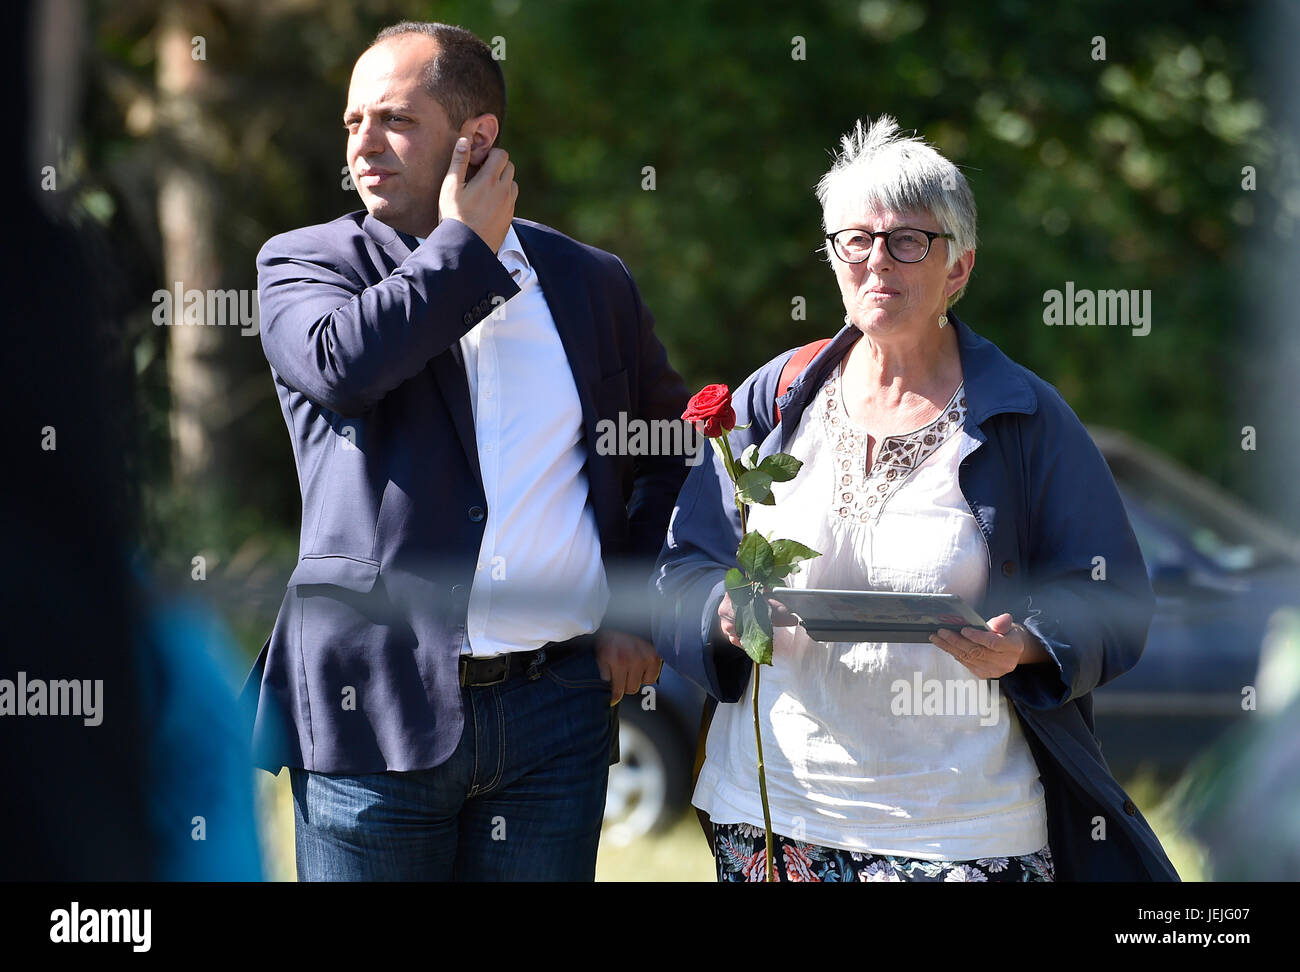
449,367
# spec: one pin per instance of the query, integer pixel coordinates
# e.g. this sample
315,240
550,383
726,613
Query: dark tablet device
876,615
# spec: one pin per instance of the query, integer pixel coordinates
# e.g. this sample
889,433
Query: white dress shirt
539,574
844,769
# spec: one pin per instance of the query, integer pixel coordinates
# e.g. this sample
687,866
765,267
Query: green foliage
756,558
755,486
781,467
754,622
786,555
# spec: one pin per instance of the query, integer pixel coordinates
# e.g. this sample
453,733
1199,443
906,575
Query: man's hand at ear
484,203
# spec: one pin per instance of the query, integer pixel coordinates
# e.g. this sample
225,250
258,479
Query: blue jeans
520,799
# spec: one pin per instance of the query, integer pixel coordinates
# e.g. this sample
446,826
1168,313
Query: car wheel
649,786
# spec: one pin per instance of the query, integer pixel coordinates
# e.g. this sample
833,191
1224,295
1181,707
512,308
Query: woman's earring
943,320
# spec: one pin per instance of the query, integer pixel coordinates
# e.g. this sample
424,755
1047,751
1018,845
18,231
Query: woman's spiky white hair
878,169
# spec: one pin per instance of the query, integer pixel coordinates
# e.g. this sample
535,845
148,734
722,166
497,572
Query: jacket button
1130,808
1008,568
476,514
468,319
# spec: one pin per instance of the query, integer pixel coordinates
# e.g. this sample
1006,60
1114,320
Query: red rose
711,410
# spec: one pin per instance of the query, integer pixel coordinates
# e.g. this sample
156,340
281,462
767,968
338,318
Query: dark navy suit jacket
1047,505
361,324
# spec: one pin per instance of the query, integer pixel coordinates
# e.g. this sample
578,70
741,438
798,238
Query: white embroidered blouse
889,748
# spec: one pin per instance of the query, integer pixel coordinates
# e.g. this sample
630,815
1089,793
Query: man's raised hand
485,203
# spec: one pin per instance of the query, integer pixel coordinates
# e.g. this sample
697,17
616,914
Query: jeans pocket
581,671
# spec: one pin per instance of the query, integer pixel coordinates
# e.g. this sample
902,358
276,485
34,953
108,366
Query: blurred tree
189,201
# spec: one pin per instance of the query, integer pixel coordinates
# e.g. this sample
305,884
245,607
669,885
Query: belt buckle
503,660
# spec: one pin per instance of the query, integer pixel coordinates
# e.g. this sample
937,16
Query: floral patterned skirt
739,852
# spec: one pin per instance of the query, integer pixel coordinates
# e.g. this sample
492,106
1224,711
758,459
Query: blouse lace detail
861,495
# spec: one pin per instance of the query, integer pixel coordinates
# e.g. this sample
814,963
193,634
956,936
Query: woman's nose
879,255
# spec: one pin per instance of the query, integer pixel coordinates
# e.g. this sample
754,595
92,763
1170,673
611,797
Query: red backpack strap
793,368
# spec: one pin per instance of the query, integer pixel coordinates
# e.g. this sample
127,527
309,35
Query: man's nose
369,140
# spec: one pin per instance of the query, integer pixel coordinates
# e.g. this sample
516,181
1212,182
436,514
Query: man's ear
482,131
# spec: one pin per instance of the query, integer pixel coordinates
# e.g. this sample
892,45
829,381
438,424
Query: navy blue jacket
361,326
1046,504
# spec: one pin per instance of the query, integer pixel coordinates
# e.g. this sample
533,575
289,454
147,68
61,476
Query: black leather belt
478,672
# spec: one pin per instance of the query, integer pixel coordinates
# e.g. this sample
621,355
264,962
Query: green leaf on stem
781,467
749,458
787,552
754,621
735,580
755,486
756,558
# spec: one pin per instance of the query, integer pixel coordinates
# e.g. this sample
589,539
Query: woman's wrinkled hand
993,653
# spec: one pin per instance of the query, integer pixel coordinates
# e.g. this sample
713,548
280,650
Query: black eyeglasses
905,244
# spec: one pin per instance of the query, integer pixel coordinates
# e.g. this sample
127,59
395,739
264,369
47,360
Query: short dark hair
464,77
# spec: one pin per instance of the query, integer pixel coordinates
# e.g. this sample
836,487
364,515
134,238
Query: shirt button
476,514
1008,568
1130,808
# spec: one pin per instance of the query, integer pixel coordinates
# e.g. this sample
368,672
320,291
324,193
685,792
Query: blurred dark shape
108,801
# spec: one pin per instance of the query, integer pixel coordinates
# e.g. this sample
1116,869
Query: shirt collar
511,246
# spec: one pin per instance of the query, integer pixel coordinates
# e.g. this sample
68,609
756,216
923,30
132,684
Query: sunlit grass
275,825
678,854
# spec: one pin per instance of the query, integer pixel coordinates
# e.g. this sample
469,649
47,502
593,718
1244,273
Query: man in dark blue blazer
442,676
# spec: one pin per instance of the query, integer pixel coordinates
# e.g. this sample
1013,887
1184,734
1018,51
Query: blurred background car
1227,585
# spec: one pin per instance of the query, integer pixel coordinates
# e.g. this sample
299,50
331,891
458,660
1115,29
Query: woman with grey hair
931,464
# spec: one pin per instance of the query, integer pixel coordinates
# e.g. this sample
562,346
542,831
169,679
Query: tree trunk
187,206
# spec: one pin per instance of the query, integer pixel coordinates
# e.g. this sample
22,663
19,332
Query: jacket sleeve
1088,598
345,345
703,534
